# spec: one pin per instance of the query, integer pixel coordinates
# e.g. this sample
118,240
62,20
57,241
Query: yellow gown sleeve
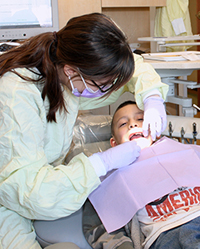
30,183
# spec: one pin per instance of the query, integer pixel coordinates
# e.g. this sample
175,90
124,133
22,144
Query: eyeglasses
107,87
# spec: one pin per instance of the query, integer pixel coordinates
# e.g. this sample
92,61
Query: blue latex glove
155,117
115,157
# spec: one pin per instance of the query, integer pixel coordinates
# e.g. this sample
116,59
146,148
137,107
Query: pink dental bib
159,170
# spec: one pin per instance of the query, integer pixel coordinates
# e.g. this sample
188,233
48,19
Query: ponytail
39,52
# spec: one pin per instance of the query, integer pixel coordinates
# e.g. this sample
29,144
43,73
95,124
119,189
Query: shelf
133,3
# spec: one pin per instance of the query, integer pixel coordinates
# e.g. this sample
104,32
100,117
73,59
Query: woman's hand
115,157
155,118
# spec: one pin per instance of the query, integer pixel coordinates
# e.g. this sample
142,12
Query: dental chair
91,134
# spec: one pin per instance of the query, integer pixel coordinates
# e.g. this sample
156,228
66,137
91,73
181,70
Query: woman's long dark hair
92,44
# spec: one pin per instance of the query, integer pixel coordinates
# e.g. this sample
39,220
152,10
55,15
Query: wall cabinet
135,17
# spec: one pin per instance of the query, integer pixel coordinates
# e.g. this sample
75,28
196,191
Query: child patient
170,222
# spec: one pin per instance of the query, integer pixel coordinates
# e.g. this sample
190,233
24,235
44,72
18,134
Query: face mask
87,92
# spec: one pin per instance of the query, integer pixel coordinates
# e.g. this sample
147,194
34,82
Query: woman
44,83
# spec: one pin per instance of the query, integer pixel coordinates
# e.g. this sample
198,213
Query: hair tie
53,47
55,36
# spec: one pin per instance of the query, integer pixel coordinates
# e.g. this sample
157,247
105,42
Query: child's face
127,126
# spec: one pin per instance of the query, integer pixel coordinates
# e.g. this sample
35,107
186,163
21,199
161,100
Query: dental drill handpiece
182,135
195,132
170,130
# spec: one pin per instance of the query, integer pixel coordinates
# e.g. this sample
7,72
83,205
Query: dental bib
160,169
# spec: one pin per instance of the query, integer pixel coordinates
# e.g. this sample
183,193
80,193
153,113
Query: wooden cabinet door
68,9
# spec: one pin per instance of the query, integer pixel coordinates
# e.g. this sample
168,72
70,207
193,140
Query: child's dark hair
128,102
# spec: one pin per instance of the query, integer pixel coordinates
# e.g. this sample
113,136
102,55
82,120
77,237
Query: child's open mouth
135,135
